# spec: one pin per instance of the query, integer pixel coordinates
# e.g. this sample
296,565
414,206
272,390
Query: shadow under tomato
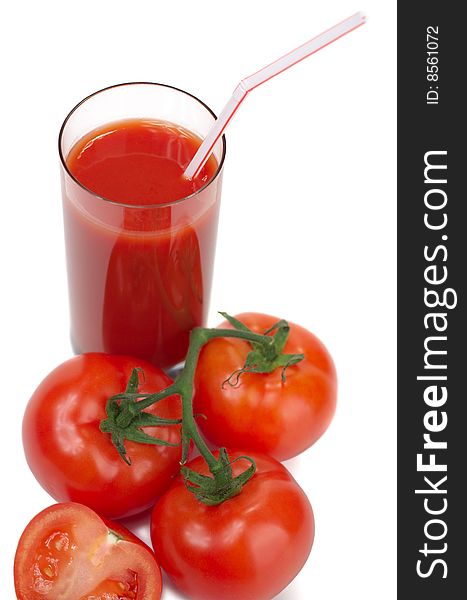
139,525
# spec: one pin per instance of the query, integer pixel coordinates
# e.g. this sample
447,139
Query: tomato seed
48,571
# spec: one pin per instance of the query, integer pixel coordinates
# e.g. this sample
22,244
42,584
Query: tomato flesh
68,553
116,590
57,551
54,550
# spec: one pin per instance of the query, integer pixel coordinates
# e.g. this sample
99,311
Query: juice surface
139,272
138,162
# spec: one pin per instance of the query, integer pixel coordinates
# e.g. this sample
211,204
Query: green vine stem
126,414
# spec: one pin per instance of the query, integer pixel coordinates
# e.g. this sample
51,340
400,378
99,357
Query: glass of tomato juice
140,237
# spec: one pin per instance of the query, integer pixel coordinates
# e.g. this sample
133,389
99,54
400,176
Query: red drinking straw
264,74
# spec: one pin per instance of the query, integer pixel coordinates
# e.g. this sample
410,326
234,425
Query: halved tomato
67,552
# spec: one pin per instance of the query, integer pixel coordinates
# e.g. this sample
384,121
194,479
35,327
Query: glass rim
123,204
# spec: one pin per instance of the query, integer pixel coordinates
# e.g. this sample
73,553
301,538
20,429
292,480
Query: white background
307,229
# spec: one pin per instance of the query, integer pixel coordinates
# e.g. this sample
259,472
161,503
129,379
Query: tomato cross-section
67,552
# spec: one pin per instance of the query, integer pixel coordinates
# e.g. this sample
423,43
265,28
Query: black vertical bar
432,329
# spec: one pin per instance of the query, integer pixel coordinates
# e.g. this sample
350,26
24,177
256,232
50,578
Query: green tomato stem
125,415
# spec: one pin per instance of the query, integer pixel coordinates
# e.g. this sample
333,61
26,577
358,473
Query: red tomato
261,412
74,461
68,552
247,548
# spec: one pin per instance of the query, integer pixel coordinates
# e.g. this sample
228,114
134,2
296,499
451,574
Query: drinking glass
139,276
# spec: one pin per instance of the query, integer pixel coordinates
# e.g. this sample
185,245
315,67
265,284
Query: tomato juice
140,238
138,162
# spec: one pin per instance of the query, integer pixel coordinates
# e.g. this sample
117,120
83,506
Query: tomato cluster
246,546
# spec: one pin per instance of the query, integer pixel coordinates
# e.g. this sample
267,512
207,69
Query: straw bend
250,83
